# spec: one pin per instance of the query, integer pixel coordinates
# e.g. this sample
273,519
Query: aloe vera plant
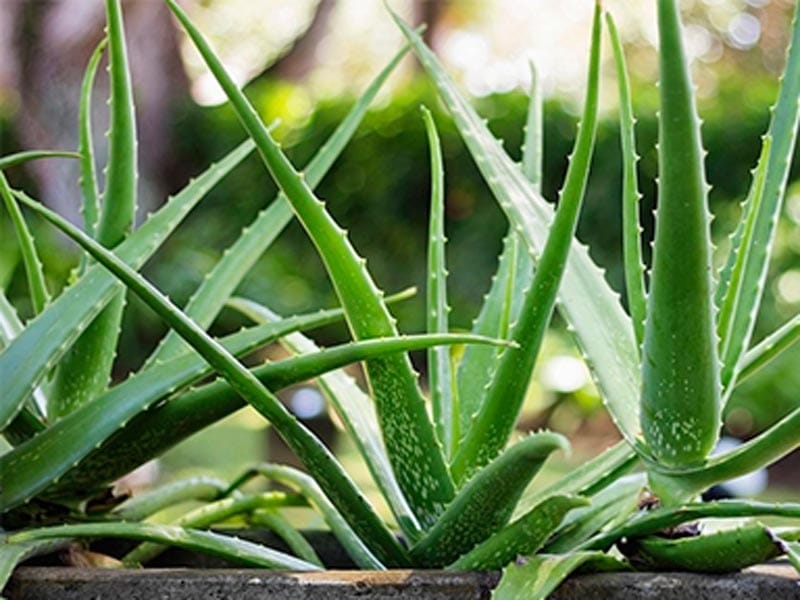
445,463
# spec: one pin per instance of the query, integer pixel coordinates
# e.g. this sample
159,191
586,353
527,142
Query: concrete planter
211,579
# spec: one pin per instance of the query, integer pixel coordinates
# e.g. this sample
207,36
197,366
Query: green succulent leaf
769,446
502,305
631,229
767,191
45,339
614,504
768,349
88,179
232,549
649,522
537,577
486,502
588,478
85,370
314,455
237,261
353,544
523,537
30,258
494,423
142,506
681,389
724,551
408,433
357,412
272,520
440,377
19,158
210,514
603,330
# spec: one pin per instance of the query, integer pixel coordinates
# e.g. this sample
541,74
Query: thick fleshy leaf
603,330
754,257
493,425
294,479
537,577
85,370
615,503
724,551
210,514
769,348
141,506
283,528
314,455
357,412
486,502
652,521
88,179
34,270
13,554
12,160
680,368
523,537
631,229
45,340
226,275
232,549
408,433
440,377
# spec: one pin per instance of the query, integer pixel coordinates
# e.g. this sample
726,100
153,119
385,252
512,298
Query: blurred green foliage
379,190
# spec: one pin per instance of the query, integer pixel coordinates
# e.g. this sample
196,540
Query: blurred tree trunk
43,58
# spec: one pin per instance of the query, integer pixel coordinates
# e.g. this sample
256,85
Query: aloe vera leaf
477,364
680,365
494,423
502,304
533,145
537,577
354,544
73,437
782,134
272,520
45,339
409,436
314,455
592,309
230,548
768,349
443,399
141,506
523,537
584,479
726,319
28,469
153,432
13,554
724,551
652,521
486,502
632,230
357,413
12,160
774,443
210,514
616,503
730,278
88,178
85,370
221,282
30,258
